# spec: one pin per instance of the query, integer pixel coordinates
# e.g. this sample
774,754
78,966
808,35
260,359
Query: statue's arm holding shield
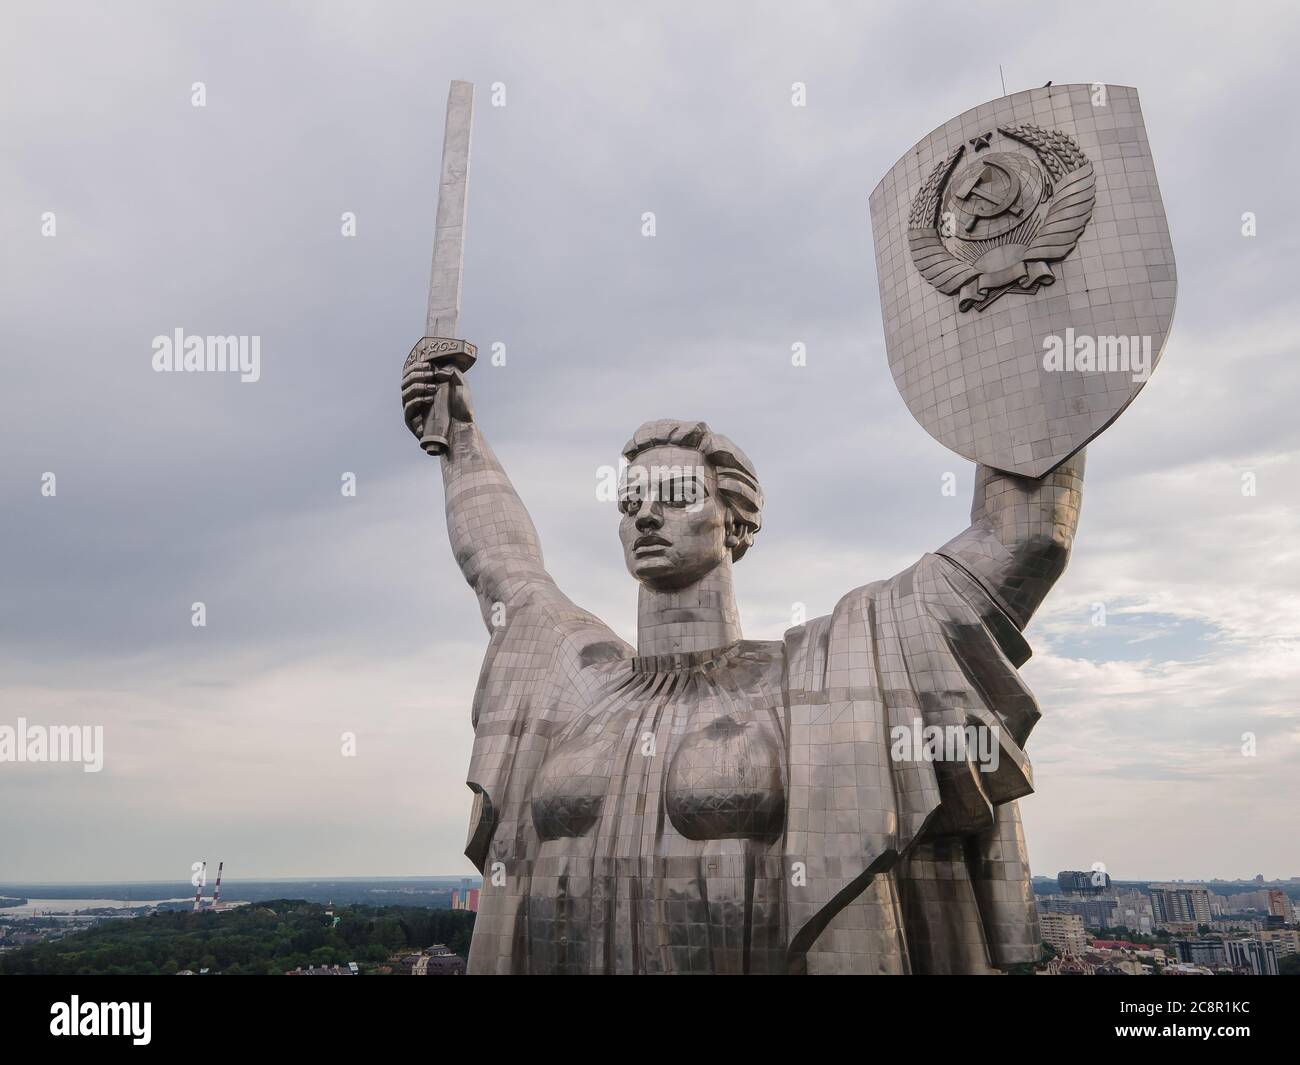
1021,533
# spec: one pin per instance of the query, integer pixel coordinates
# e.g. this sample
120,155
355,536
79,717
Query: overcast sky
328,614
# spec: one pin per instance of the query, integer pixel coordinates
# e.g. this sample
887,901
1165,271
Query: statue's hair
737,481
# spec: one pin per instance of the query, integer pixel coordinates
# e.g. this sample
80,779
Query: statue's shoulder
932,576
541,650
933,593
543,621
858,613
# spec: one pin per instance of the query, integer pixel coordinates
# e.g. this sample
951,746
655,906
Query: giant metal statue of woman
704,803
707,803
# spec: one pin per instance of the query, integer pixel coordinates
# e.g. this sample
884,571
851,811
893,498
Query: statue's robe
740,810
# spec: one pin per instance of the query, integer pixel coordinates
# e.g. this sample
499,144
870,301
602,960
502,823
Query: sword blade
453,205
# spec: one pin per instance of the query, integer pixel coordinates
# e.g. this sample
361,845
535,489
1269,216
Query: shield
1026,273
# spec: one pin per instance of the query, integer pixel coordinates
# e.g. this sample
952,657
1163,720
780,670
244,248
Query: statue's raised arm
1021,533
492,537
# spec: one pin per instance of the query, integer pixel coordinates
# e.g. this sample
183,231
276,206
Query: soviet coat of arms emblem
988,221
1023,224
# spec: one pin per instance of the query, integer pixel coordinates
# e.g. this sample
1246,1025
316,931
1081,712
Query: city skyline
473,875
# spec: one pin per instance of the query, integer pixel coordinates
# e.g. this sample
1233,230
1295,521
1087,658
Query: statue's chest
696,753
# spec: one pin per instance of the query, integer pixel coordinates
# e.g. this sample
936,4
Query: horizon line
227,879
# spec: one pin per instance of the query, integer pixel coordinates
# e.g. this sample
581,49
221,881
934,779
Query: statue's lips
650,544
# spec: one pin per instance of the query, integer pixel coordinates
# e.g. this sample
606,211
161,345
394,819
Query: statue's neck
696,618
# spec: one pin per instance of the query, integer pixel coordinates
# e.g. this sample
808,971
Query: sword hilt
437,352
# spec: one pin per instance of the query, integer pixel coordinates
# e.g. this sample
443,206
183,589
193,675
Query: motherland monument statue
704,803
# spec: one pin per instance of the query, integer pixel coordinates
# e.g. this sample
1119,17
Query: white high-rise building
1064,932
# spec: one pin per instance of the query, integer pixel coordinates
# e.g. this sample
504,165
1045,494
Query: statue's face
674,527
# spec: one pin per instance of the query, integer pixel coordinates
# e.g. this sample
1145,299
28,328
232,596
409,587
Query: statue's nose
651,515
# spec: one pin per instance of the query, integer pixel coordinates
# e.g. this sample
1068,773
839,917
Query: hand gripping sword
441,347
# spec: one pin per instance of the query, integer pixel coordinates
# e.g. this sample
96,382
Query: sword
440,346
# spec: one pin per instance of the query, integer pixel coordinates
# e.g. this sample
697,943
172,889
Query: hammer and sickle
980,203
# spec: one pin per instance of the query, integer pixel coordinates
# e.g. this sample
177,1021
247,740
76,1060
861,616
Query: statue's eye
682,492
